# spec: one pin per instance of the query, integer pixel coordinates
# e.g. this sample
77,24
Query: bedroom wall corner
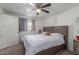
50,21
1,11
39,24
8,30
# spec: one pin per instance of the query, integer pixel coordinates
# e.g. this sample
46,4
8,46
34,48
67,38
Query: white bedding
37,42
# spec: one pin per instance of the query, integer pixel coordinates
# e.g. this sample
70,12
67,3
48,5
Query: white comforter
38,42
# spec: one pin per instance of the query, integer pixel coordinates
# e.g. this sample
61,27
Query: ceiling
19,9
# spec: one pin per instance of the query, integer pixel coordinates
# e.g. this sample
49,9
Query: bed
40,44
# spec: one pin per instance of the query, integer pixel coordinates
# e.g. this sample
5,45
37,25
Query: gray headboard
58,29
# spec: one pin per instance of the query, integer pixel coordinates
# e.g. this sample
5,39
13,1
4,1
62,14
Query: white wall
68,18
39,24
8,30
50,21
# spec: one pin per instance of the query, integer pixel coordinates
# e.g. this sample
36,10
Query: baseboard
8,46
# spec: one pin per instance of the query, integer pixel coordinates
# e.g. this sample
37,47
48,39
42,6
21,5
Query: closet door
8,30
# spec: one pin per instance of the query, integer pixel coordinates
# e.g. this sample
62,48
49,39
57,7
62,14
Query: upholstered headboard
58,29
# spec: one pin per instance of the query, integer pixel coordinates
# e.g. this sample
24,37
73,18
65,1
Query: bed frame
55,29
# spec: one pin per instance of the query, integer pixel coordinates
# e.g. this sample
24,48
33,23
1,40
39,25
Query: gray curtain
33,25
22,24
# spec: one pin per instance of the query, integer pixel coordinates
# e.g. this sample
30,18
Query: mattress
37,42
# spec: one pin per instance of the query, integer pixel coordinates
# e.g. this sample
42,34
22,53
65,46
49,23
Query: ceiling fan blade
45,11
46,5
38,5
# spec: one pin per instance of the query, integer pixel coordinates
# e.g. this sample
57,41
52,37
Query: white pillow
57,34
44,32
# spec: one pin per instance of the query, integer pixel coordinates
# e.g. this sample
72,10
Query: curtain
22,24
33,25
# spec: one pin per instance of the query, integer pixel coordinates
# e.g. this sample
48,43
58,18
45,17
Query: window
26,25
29,25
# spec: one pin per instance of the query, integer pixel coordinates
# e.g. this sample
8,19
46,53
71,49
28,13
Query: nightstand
76,47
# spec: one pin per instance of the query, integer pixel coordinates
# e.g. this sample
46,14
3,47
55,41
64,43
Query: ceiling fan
39,7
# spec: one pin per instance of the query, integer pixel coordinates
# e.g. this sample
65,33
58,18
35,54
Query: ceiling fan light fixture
38,10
